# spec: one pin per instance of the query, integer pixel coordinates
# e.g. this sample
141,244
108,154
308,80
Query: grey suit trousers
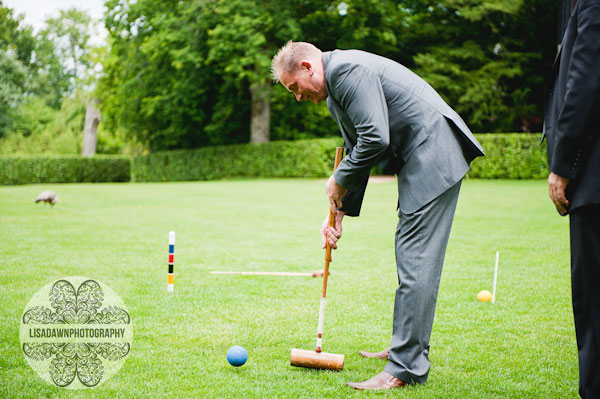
421,241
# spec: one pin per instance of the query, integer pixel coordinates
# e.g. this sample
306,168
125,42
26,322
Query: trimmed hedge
511,156
28,169
302,158
508,156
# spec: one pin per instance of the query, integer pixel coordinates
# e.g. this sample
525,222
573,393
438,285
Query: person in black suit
572,132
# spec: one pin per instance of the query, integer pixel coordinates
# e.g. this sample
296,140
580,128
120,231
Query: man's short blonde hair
289,56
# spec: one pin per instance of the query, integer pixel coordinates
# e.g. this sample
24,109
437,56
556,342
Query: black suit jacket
572,117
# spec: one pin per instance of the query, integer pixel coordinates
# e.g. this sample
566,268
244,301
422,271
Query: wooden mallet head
316,360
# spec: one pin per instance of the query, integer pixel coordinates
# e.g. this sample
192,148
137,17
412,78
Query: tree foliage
68,36
12,87
16,46
41,102
183,73
154,83
487,58
179,73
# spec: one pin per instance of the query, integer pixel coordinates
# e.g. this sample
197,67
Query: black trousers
585,285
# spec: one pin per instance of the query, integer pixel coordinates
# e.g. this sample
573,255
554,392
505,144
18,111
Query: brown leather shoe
379,355
383,380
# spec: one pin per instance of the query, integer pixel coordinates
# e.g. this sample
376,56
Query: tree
70,34
485,58
16,47
211,84
50,68
183,74
90,128
12,87
15,36
242,44
154,86
37,73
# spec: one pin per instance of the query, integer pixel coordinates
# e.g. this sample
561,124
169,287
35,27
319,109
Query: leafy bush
302,158
27,169
40,129
510,156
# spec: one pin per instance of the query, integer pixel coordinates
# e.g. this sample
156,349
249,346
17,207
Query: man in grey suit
389,115
572,130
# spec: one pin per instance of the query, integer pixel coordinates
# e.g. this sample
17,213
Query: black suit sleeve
582,94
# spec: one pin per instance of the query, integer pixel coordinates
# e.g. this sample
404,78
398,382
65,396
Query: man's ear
306,65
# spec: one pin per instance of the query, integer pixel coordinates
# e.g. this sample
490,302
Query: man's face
304,84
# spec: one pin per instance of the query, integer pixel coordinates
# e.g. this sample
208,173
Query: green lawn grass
523,346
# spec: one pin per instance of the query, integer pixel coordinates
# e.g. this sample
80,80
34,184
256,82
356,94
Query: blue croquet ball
237,356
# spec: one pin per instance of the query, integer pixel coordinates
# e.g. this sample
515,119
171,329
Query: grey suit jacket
388,114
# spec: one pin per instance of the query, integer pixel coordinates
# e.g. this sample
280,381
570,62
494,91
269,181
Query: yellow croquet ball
484,296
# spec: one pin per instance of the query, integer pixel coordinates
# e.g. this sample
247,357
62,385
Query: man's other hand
556,188
332,234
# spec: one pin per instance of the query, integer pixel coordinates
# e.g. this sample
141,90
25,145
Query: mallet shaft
339,152
293,274
338,158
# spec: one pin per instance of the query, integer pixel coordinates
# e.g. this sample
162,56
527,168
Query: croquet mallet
317,359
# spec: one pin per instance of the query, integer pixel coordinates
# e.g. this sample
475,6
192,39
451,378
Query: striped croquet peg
171,261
